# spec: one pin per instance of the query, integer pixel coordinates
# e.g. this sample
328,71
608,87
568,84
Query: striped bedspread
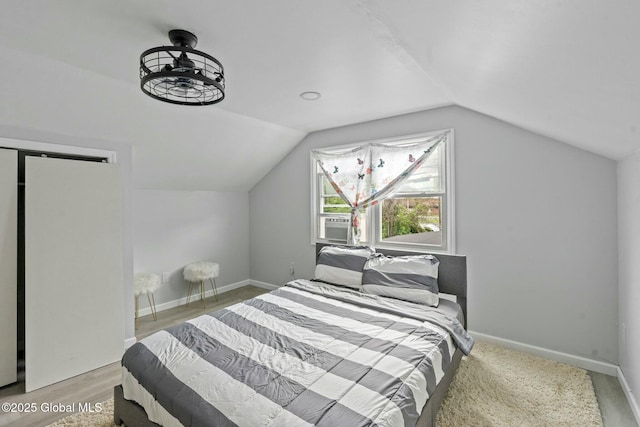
305,354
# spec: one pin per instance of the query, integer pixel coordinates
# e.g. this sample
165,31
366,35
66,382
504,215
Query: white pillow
411,278
342,265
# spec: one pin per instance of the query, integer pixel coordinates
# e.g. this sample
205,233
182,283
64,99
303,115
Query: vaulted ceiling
568,69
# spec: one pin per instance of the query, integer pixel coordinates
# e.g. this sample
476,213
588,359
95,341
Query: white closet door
8,265
74,309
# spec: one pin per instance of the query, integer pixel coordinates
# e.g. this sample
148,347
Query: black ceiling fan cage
179,74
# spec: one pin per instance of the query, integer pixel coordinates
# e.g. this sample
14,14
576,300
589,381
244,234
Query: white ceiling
568,69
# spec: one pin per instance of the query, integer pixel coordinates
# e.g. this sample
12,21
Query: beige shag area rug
494,387
93,419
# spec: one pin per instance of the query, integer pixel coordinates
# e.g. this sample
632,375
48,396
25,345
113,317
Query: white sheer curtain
367,174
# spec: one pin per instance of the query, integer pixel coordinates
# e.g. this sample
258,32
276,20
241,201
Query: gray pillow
411,278
342,265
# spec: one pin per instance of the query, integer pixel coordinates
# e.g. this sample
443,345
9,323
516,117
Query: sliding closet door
8,265
74,319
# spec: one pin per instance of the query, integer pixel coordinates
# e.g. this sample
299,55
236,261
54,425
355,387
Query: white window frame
374,214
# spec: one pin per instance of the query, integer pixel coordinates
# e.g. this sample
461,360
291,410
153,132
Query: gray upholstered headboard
452,274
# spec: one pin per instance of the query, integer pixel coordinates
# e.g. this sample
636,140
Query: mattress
304,354
451,309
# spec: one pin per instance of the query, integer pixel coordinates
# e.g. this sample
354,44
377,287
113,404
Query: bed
329,355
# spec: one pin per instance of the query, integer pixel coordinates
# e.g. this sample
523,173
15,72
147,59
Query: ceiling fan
179,74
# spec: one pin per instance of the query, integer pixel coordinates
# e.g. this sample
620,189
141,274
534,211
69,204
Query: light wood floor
97,386
614,407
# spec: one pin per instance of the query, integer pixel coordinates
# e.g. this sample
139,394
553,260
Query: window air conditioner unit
336,229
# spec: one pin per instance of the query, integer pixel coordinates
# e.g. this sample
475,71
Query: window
419,216
333,214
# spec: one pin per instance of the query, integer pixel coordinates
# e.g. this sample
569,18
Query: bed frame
452,279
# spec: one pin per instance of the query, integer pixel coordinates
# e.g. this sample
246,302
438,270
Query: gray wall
174,228
535,217
629,284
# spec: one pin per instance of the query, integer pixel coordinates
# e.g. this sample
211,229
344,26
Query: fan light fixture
179,74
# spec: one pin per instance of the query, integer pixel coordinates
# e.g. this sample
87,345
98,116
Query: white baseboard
182,301
129,342
570,359
264,285
633,403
